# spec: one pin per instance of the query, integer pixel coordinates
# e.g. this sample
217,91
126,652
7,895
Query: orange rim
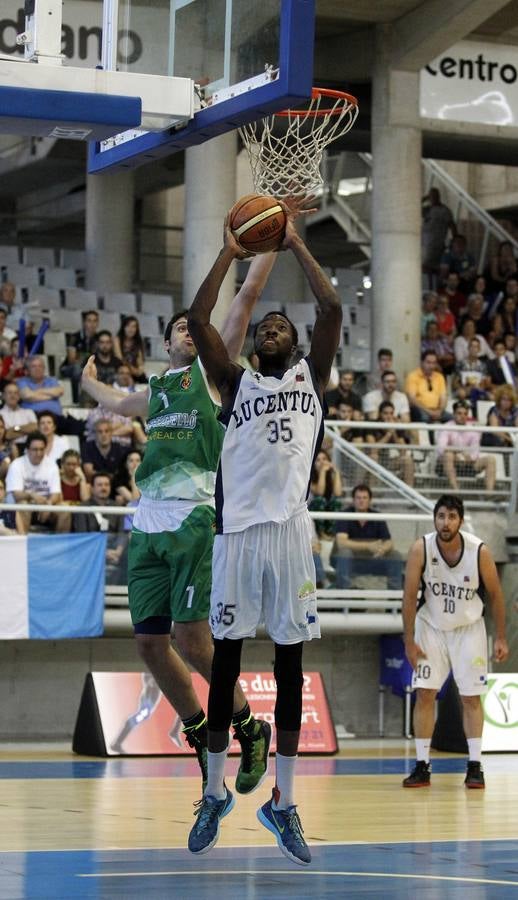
348,100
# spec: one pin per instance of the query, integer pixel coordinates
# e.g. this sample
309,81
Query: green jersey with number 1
184,438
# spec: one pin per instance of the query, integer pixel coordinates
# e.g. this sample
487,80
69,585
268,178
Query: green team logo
306,590
501,703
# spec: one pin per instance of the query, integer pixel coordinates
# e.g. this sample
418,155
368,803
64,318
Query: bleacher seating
44,297
78,298
124,304
59,278
72,259
25,276
157,304
39,256
9,255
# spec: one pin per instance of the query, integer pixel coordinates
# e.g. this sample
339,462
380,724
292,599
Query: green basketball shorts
170,572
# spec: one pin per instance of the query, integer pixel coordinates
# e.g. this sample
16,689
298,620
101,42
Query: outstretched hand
229,240
89,370
295,206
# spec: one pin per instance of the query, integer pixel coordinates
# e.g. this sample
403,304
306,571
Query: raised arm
236,324
326,333
413,572
209,343
116,401
494,589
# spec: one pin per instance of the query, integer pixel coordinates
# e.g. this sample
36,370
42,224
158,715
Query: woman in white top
56,444
461,342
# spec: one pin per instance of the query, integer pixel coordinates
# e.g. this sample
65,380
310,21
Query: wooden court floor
75,827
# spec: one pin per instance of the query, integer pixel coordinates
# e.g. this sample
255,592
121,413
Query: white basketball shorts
463,650
265,575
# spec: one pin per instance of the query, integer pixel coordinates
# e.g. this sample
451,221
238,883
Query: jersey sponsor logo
441,589
174,420
306,590
283,401
479,662
186,381
501,703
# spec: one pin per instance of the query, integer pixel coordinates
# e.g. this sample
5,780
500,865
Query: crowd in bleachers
55,447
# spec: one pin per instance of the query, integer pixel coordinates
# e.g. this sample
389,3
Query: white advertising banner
472,82
500,713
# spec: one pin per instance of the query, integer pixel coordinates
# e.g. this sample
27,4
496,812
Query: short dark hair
385,405
388,372
50,414
363,488
89,312
450,501
102,475
428,353
35,436
278,312
102,333
461,404
183,314
69,453
384,351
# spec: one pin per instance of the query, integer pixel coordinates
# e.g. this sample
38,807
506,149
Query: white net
285,149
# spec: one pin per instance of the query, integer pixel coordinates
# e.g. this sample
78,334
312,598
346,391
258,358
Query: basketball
258,223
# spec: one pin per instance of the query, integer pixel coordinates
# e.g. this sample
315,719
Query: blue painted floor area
179,768
477,870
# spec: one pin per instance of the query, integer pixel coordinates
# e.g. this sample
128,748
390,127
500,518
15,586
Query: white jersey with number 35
450,593
273,431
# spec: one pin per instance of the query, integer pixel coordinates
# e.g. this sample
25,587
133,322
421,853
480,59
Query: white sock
422,749
284,776
475,749
215,781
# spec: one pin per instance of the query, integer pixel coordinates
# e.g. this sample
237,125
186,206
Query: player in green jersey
170,551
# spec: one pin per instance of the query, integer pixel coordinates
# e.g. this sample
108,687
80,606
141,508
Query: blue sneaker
286,826
209,812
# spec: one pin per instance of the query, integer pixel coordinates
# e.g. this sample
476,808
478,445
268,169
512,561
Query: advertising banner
501,713
137,720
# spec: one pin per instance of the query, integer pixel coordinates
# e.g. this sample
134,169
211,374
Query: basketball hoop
285,149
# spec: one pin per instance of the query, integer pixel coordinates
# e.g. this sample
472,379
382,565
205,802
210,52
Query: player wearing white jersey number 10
447,631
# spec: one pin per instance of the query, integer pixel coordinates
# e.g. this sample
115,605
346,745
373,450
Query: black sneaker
420,777
254,738
475,776
196,737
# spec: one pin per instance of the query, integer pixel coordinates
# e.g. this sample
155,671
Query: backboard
245,58
141,79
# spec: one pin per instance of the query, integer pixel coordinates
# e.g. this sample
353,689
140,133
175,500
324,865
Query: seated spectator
502,266
510,290
364,547
438,344
504,414
456,298
80,345
18,421
7,517
470,380
74,486
510,346
325,492
458,259
106,360
445,319
389,391
461,342
34,479
7,297
125,490
346,413
344,393
6,334
505,317
102,454
426,391
117,539
499,369
429,307
129,347
125,431
39,391
56,445
477,309
459,451
393,458
8,449
11,366
385,362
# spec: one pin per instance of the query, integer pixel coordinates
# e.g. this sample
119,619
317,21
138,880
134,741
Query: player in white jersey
447,631
263,568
